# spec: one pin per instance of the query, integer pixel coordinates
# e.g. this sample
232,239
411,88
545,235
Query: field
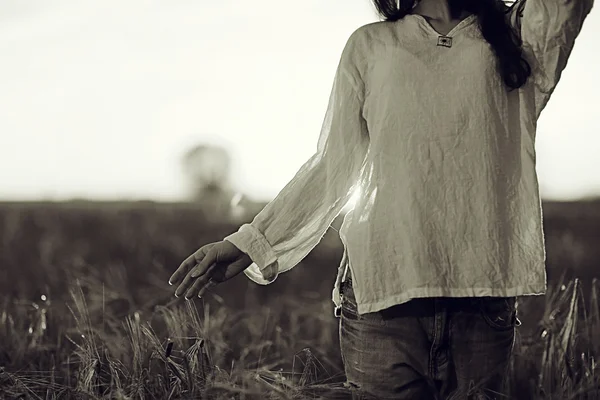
86,311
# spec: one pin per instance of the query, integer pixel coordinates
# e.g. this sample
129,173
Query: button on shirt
442,155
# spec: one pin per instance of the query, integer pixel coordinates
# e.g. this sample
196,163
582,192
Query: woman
432,117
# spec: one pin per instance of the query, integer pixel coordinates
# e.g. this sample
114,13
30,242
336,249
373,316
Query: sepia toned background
98,99
134,132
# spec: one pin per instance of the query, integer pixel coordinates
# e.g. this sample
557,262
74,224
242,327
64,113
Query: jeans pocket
500,313
349,308
348,302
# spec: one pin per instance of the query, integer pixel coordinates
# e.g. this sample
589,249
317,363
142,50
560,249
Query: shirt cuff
251,241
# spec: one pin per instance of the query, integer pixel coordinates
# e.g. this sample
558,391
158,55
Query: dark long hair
495,28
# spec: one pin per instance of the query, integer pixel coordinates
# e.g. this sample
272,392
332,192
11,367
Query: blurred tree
207,168
208,171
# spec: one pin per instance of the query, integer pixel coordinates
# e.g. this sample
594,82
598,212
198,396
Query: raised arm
549,29
291,225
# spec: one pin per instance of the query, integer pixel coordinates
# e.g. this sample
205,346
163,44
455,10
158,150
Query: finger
187,264
204,264
197,285
209,285
207,260
181,271
217,275
184,285
206,277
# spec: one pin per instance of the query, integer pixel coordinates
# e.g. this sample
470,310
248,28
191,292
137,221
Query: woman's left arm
549,29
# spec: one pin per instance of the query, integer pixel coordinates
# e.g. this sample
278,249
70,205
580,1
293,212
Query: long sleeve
292,224
549,29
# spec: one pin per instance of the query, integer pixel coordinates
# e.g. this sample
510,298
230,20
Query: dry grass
85,314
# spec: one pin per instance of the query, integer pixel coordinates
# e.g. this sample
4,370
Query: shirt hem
530,290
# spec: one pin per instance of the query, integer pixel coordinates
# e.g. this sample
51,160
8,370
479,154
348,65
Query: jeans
428,348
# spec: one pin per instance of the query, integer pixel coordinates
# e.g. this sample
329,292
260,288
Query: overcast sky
99,99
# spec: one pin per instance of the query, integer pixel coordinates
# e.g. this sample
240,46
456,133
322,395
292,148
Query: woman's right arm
291,225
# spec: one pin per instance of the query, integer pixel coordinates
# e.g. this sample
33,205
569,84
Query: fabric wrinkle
449,202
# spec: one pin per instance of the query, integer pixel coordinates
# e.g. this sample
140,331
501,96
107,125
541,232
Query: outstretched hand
208,266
